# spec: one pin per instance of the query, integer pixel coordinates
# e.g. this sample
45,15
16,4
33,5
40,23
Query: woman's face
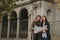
38,18
43,18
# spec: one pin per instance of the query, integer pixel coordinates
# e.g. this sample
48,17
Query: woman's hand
44,29
32,28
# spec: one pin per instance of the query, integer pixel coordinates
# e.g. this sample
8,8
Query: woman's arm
48,26
32,25
49,31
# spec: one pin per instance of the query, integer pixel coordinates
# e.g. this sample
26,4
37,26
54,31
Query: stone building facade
17,26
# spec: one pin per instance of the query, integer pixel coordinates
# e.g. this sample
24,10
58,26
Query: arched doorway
4,26
13,25
23,29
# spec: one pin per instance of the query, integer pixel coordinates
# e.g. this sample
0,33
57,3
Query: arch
23,14
23,29
4,26
48,14
13,24
48,11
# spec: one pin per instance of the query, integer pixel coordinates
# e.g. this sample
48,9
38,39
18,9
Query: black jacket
47,31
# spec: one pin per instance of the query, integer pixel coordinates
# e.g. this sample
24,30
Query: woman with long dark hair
36,22
45,32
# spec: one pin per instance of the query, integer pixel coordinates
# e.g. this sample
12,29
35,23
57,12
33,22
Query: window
13,25
4,26
23,30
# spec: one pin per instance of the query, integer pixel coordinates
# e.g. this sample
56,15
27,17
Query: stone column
0,27
8,25
18,18
29,32
29,24
44,8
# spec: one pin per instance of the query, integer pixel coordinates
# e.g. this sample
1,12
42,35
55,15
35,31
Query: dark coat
47,31
38,23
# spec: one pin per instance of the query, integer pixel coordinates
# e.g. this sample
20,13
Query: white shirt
37,29
44,34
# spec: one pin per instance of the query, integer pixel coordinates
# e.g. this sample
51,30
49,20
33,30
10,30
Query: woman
36,22
46,31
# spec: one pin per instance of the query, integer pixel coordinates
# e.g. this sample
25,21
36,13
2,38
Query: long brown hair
34,22
45,20
44,17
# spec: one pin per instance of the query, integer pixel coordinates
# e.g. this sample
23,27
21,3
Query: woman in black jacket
46,32
36,22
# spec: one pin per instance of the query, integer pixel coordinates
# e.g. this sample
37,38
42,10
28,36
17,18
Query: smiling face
43,18
38,18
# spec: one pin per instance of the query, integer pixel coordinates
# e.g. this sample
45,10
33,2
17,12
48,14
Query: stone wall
39,8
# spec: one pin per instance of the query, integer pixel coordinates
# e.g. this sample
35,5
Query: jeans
44,38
